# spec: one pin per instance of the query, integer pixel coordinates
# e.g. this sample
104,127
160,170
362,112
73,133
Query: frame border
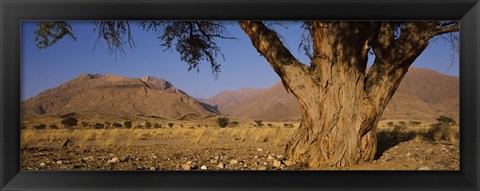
12,12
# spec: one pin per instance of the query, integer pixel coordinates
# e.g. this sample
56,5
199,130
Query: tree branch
269,45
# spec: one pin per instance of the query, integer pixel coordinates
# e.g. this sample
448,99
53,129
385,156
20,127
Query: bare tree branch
269,45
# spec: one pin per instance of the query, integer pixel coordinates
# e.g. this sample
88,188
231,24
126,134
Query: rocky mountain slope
423,94
111,94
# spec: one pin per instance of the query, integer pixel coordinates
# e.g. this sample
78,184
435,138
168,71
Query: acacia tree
341,101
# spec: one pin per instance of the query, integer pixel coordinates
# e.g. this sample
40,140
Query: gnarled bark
340,101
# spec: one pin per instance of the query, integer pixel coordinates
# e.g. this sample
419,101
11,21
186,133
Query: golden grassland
197,132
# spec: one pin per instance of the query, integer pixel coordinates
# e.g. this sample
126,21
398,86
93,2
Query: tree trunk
341,103
338,125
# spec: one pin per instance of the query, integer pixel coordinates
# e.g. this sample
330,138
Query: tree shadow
387,140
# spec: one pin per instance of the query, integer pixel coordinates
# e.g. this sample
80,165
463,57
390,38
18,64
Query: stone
114,160
59,162
423,168
277,163
232,162
186,167
153,168
259,149
203,167
290,163
270,157
221,165
42,164
262,167
123,158
213,161
280,157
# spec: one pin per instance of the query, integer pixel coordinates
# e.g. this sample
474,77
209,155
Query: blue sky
243,66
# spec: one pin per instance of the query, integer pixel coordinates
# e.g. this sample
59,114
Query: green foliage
39,126
127,124
69,122
446,120
194,40
259,123
148,125
441,129
49,32
99,126
222,121
170,125
117,125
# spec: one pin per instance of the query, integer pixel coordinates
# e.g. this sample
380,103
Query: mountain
422,94
227,101
111,94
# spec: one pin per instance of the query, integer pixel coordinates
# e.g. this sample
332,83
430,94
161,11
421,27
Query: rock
423,168
262,167
277,163
280,157
42,164
221,165
213,161
59,162
152,168
114,160
186,167
270,157
123,158
154,157
189,162
290,163
259,149
409,154
232,162
203,167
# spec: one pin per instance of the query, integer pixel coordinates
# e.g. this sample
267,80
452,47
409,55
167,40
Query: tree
222,122
341,101
69,122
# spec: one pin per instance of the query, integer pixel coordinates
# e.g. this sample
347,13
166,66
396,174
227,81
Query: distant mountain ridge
422,94
107,94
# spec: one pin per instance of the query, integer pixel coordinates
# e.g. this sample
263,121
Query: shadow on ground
387,140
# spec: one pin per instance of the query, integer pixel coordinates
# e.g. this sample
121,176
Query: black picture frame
14,11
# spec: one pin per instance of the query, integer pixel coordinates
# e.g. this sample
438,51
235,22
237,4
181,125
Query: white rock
270,157
152,168
423,168
233,161
221,165
59,162
203,167
262,167
42,164
277,163
114,160
290,163
259,149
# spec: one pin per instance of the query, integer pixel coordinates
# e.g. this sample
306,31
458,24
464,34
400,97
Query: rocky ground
228,155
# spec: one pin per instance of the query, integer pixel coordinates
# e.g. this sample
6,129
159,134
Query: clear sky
243,66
